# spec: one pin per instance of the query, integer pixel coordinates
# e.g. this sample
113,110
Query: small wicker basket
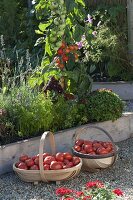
93,163
47,175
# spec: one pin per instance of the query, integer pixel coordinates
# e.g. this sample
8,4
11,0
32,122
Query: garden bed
120,129
122,88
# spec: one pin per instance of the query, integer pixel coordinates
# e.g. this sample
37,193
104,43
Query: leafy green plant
104,105
67,114
29,111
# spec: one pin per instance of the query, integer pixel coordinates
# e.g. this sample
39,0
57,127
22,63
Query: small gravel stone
119,176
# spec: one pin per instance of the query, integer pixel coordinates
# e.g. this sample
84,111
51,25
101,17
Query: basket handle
53,149
77,135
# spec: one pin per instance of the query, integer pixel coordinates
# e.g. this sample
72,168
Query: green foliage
28,110
104,105
67,114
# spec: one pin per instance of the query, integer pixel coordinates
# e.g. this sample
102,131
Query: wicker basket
47,175
94,163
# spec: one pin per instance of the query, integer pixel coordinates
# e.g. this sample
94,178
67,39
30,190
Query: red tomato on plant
22,166
67,156
48,160
29,162
23,158
59,157
71,47
65,58
60,51
77,148
79,142
56,165
67,50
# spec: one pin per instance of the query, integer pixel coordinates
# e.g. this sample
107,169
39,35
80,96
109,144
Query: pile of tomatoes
64,54
50,162
93,147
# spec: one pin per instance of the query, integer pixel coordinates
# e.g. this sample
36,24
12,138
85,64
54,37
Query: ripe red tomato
87,142
77,148
79,142
70,164
83,151
67,156
22,166
46,154
56,165
65,58
97,145
36,161
60,51
29,162
34,157
66,161
101,150
67,50
87,147
109,149
59,157
76,160
89,150
17,164
46,167
34,167
22,158
71,47
93,153
48,160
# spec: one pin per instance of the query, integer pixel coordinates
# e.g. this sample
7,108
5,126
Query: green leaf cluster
104,105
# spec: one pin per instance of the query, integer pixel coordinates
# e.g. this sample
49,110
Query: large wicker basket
94,163
47,175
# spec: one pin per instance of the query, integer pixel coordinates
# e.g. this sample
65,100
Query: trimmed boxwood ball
104,105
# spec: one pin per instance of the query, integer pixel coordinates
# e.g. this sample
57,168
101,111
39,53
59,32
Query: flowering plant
94,190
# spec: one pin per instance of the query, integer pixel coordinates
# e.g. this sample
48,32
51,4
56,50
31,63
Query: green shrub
67,114
29,111
104,105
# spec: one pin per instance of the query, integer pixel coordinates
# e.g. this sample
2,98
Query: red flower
118,192
87,198
97,183
67,198
62,191
79,193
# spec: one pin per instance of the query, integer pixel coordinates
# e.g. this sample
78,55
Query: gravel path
120,176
